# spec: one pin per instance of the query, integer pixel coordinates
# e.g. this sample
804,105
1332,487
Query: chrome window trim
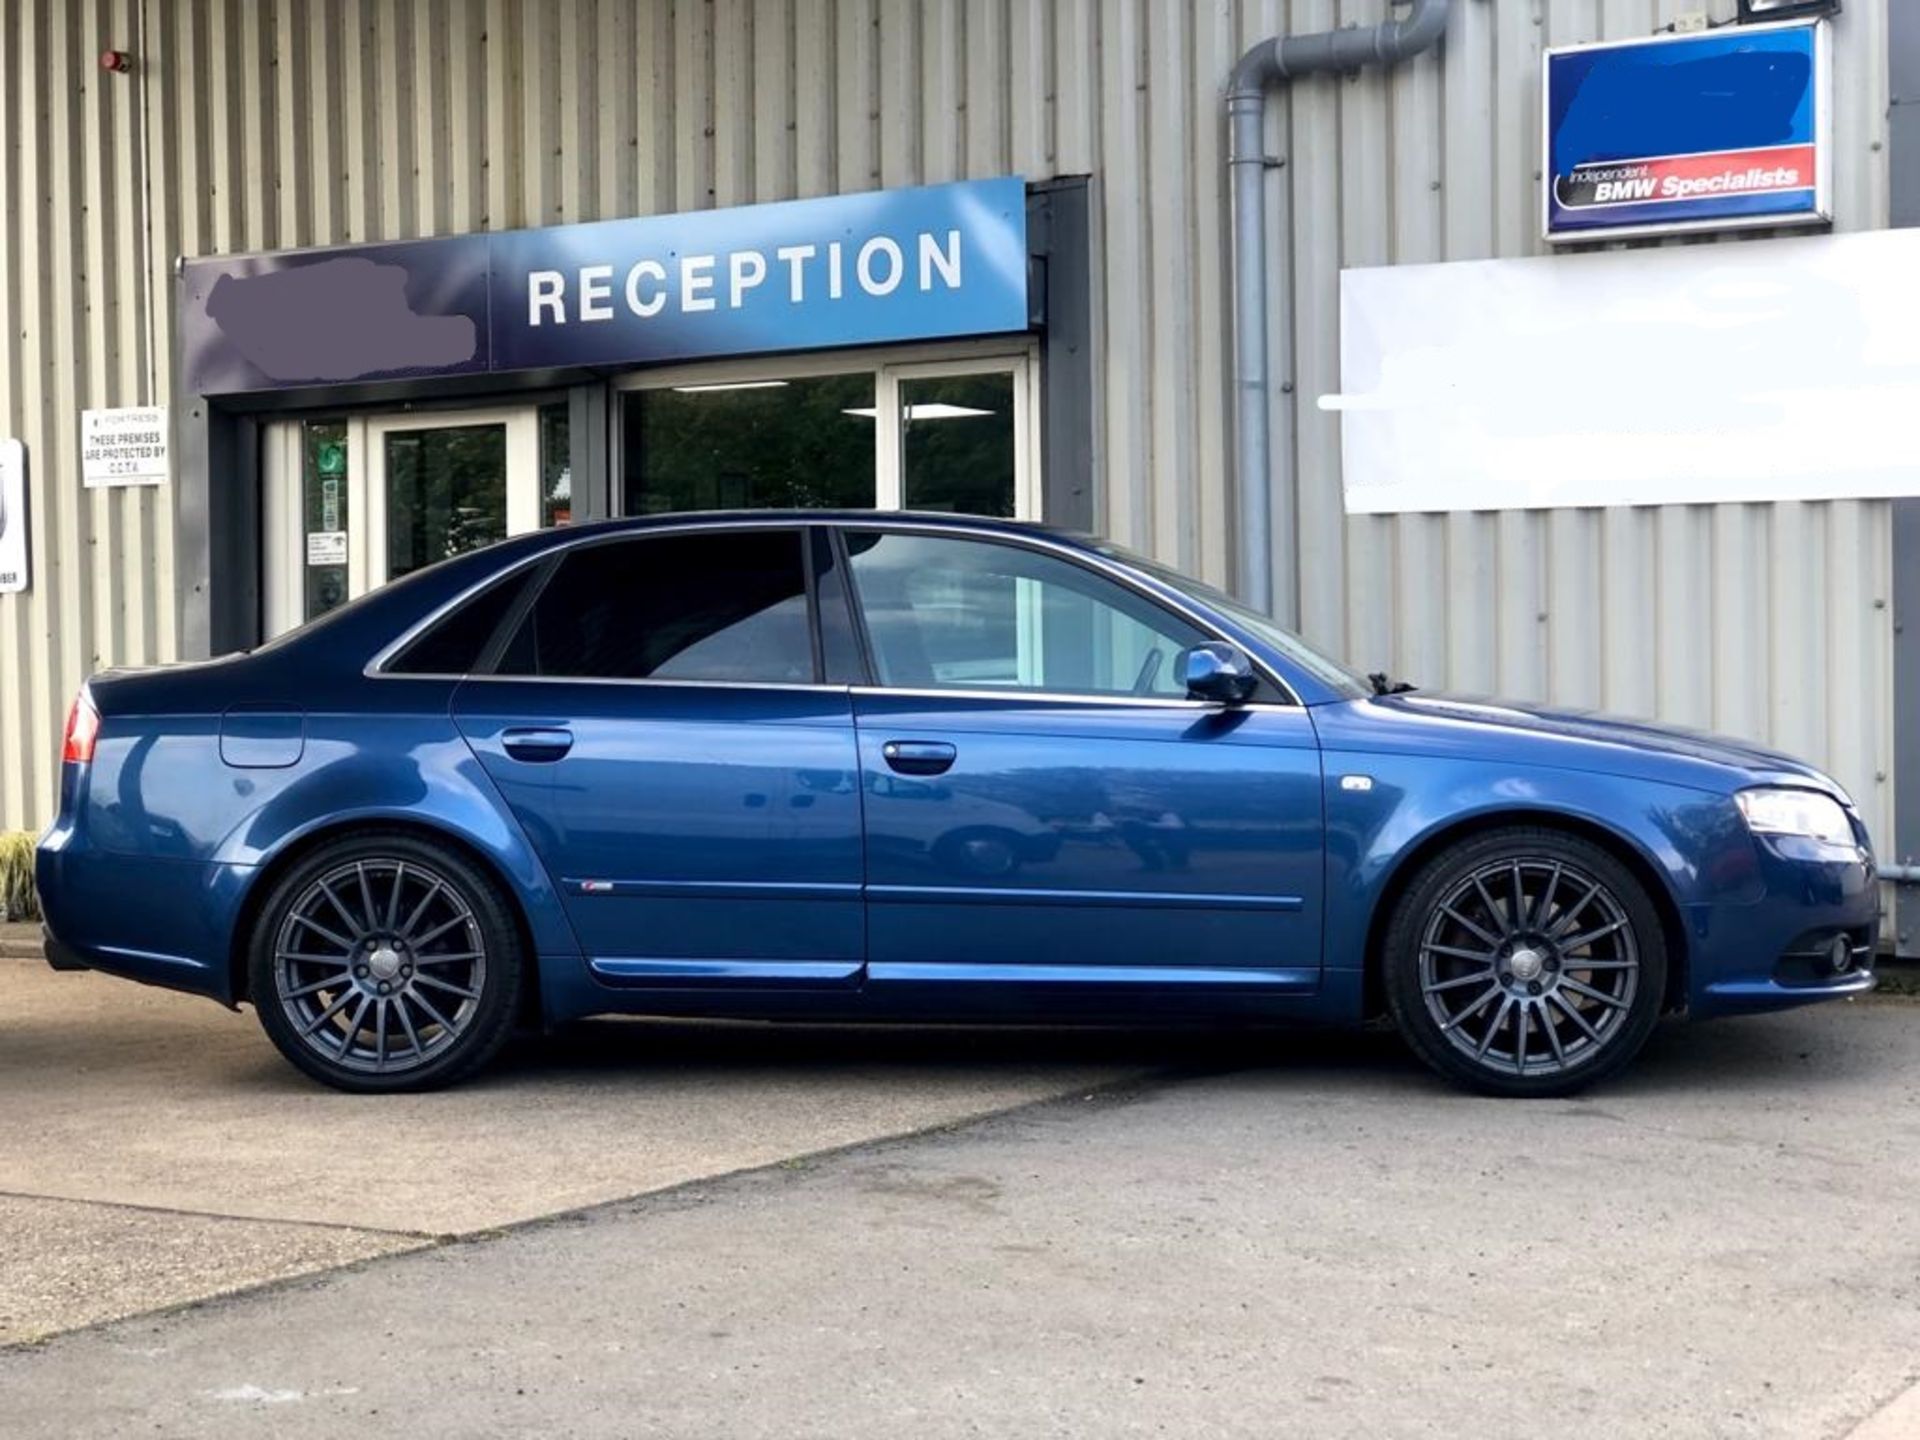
904,523
1019,696
644,680
1072,697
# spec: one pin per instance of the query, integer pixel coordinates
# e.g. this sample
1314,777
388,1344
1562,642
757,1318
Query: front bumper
1777,951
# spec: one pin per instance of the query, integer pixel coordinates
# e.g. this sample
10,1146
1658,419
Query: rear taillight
83,728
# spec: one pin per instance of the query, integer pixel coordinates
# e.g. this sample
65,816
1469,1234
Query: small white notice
327,547
126,446
13,517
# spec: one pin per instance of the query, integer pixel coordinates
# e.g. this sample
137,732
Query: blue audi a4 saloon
854,766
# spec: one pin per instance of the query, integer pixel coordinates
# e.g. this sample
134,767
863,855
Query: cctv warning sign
127,446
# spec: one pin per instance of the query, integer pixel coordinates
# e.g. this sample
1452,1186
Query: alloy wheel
380,965
1529,967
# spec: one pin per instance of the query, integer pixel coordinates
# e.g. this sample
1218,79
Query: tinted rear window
728,606
454,645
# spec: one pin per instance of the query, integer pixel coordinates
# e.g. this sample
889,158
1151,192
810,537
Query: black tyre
385,962
1525,961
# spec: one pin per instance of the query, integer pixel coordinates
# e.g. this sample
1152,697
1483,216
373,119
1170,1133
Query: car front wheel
1525,962
386,962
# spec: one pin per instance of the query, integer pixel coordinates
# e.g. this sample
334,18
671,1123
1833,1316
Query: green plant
17,898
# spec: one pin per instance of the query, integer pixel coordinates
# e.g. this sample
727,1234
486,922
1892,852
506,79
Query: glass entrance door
442,486
351,502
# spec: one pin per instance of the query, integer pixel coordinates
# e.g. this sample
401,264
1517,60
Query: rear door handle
919,757
536,744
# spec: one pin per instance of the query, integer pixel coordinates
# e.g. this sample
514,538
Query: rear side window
719,606
454,644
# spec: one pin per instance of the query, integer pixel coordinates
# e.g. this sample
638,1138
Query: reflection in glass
972,614
446,493
323,469
957,443
674,607
750,445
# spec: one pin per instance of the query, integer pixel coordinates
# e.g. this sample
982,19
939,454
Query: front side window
728,605
946,613
1324,668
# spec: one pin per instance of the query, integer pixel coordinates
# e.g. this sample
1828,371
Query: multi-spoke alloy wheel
382,963
1526,962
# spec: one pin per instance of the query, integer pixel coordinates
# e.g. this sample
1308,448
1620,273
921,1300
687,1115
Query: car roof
940,519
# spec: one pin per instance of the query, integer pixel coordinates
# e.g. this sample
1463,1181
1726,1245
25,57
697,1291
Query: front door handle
919,757
536,744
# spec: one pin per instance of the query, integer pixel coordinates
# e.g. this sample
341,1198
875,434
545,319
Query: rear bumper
162,922
60,956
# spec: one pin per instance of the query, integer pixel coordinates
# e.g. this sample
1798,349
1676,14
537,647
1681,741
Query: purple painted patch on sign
263,322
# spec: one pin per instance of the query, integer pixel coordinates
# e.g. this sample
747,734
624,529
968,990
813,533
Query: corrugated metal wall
272,123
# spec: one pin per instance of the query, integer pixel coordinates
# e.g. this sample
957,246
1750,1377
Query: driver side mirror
1218,672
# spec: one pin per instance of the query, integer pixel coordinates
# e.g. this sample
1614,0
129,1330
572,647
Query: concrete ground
1248,1235
155,1148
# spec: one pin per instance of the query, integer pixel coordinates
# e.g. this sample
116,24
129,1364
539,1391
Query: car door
657,724
1043,802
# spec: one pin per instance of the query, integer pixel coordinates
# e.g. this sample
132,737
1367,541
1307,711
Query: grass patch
18,901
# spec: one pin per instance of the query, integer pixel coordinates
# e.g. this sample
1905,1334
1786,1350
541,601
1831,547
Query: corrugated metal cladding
254,124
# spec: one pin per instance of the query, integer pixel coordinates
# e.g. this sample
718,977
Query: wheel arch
1410,862
293,853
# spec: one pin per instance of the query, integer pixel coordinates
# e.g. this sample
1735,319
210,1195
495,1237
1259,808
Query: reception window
952,434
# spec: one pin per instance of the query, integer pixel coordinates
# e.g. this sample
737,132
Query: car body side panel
1740,901
1083,840
158,816
688,825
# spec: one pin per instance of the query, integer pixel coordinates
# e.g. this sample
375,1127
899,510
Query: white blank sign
1766,370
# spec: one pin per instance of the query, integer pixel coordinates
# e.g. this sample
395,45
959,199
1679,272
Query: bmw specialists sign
1717,130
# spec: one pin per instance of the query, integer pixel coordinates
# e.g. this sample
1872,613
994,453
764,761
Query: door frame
283,493
890,471
283,527
522,424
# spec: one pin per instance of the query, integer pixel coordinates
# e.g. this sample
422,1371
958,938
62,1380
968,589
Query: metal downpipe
1265,65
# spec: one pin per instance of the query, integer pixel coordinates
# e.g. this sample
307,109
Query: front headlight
1795,812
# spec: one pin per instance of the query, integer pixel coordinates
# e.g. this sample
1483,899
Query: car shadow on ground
735,1046
1807,1047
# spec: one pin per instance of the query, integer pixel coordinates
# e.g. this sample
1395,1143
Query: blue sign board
890,265
1715,130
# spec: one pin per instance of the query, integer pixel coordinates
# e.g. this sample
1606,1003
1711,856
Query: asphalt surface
1251,1235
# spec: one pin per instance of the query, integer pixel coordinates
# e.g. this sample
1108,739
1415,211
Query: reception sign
930,262
1711,131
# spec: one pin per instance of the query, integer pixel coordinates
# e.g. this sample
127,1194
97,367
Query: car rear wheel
384,962
1525,962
